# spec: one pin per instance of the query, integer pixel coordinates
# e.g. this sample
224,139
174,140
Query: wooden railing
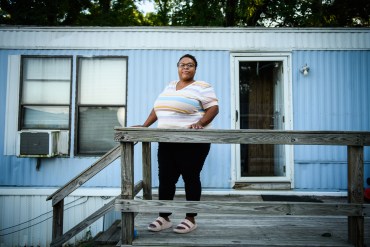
58,237
355,209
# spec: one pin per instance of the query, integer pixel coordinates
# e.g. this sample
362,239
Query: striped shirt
176,109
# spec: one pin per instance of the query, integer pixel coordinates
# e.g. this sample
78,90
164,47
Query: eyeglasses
186,65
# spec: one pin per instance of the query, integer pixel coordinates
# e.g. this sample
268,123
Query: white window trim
12,104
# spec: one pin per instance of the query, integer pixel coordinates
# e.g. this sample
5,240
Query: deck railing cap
243,136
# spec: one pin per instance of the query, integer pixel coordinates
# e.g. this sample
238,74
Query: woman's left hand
197,125
206,119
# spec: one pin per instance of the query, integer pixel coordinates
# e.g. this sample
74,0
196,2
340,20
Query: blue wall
334,96
149,71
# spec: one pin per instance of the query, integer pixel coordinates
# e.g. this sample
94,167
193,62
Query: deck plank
238,230
232,230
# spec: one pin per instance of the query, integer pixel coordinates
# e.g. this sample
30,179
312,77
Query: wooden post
147,171
356,193
127,191
58,220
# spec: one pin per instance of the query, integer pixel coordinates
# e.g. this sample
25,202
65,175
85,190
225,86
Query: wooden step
111,236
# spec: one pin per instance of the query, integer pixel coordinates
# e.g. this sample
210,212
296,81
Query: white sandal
185,226
159,224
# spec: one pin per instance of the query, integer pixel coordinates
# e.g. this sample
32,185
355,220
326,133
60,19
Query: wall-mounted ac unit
38,143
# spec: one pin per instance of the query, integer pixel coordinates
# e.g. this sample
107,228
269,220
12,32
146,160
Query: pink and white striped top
177,109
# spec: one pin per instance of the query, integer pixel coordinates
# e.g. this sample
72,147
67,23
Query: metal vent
34,143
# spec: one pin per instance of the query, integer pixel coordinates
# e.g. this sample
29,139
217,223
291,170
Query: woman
185,103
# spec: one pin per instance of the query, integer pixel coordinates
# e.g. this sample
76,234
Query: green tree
26,12
240,13
71,12
113,13
344,13
164,9
318,13
269,13
197,13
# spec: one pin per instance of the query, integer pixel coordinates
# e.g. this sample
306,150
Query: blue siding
335,95
148,72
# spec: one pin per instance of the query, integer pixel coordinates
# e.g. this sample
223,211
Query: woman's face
186,69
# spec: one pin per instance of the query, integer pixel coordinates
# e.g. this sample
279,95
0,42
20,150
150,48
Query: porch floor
237,230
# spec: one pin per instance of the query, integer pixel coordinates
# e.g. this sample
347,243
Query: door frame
288,110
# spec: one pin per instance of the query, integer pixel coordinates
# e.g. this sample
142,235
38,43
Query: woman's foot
186,226
161,223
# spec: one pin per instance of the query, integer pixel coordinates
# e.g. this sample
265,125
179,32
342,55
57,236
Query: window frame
78,105
21,87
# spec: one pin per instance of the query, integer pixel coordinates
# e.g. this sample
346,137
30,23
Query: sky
146,6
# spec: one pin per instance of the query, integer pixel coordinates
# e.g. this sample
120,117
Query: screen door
261,103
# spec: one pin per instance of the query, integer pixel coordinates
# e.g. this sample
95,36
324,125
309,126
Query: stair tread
110,236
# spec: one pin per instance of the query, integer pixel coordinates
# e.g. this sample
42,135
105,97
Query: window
45,93
101,102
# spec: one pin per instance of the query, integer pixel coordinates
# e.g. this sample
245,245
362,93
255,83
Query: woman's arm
210,114
151,119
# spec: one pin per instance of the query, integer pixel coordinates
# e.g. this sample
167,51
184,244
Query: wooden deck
282,217
238,230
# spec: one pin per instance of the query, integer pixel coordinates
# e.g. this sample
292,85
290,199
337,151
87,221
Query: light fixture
304,70
121,116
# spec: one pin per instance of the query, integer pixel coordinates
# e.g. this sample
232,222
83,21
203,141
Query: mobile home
63,90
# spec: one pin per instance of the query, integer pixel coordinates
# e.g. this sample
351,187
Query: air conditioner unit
38,143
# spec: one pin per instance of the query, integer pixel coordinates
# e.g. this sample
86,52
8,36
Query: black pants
185,159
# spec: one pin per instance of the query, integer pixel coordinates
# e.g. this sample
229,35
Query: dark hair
189,56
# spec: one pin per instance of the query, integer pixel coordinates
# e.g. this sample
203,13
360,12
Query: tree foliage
236,13
71,13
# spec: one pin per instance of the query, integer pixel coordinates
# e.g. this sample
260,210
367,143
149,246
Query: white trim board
181,38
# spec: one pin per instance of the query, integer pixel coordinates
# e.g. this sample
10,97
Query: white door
262,100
